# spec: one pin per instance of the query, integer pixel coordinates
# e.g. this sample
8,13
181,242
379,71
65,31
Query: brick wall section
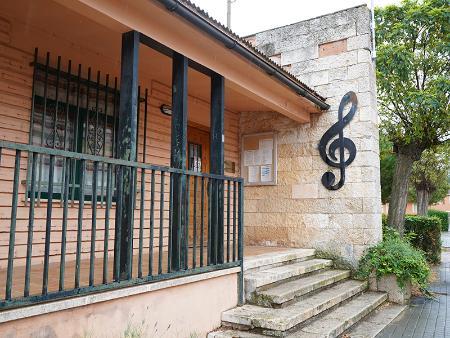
332,54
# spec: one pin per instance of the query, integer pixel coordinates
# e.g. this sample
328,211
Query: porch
120,159
36,271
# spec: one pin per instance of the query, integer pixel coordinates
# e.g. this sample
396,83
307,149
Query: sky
251,16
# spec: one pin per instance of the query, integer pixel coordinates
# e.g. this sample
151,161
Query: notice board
259,159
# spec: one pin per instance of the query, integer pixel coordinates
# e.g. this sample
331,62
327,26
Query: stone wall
332,54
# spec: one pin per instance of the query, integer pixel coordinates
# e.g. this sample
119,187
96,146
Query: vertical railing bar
144,151
55,114
131,243
30,132
161,223
33,158
48,225
234,220
94,224
77,121
194,225
185,237
241,241
62,264
228,220
104,138
114,145
210,183
86,129
152,222
141,223
80,223
47,62
138,122
202,217
12,229
118,226
97,98
107,217
169,242
66,120
215,221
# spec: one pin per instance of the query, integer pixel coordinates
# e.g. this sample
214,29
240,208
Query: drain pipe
175,6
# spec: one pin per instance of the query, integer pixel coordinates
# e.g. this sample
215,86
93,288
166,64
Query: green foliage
339,262
395,255
443,217
430,173
413,65
387,166
427,231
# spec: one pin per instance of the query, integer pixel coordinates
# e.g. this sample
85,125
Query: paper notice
257,159
266,156
253,174
266,173
266,144
249,157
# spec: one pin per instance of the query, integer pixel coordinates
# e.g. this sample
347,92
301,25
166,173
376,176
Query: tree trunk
423,198
399,194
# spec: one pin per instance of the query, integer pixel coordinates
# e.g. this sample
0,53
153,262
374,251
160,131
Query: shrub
395,255
427,237
442,215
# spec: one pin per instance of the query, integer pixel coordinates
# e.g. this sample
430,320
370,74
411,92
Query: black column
216,167
178,158
126,150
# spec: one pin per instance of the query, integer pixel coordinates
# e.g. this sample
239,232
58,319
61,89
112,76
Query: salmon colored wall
17,43
153,314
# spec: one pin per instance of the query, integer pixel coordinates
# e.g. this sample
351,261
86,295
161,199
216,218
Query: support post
217,167
126,150
178,157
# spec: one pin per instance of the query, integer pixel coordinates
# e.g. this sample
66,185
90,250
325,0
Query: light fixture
166,109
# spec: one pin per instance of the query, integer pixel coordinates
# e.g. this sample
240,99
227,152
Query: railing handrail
94,158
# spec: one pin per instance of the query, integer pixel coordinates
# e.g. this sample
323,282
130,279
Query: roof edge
231,41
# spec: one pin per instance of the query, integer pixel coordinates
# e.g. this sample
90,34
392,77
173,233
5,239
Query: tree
430,178
413,63
387,166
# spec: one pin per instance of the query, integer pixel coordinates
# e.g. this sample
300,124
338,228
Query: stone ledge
65,304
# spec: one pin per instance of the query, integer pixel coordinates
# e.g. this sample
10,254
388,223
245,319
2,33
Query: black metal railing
69,245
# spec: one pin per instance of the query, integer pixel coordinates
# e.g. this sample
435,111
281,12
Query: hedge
442,215
427,237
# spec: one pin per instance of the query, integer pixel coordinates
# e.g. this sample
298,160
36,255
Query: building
147,152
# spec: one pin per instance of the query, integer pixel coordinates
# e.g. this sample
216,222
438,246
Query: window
195,157
74,114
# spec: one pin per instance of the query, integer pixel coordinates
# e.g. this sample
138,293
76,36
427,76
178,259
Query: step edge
315,286
267,259
381,326
316,309
350,321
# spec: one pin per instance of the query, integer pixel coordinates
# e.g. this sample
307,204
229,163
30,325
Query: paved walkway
427,318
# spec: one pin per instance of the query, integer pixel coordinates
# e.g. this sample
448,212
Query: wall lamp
166,109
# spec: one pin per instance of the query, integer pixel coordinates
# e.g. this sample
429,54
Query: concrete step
254,280
283,319
376,321
273,259
234,334
288,291
338,320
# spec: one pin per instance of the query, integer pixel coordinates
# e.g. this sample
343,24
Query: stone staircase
294,294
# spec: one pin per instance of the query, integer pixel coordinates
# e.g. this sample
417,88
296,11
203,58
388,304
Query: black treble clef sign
341,143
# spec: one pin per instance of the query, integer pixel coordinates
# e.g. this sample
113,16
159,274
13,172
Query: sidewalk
424,317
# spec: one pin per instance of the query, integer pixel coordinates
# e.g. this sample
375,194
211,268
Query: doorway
198,160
